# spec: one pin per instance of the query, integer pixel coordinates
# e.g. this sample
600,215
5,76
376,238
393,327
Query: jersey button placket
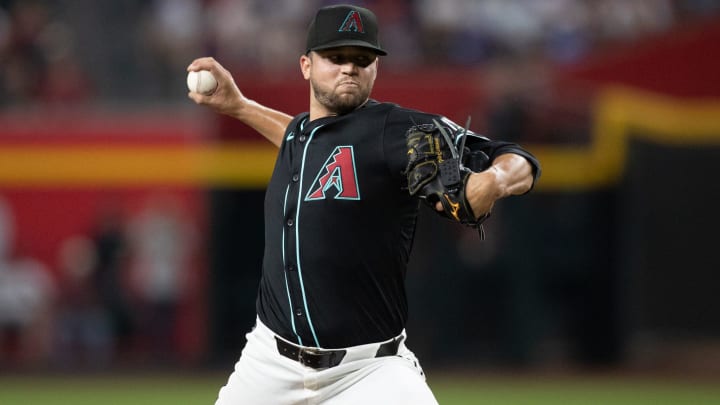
291,273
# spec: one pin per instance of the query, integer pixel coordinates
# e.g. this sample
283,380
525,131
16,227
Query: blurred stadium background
130,226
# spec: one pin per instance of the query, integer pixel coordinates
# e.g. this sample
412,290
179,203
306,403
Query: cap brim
349,42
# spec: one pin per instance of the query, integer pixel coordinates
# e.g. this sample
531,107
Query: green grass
202,389
108,390
527,390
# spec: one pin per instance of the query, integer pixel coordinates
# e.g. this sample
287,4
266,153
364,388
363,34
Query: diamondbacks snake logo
338,174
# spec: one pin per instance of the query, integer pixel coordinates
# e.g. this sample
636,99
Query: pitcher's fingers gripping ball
212,85
202,81
438,170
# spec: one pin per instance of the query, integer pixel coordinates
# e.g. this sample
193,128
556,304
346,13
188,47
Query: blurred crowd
111,296
135,51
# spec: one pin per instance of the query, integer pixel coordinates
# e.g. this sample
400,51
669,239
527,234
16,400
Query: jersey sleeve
397,122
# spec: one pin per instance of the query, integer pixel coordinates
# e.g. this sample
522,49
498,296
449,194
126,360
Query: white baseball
202,82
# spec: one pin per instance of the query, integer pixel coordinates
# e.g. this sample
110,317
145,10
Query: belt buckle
304,350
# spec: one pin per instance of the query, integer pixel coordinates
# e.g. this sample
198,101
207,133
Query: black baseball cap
343,25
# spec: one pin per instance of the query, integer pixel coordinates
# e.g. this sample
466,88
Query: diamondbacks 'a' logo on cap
352,22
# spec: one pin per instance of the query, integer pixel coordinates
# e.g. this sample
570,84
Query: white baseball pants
263,376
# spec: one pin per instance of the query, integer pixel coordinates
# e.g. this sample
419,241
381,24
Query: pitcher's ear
305,64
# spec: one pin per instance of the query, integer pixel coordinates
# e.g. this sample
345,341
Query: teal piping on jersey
297,234
287,287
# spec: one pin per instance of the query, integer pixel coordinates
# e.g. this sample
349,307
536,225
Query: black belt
321,358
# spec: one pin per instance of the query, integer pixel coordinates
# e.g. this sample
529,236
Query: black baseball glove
438,170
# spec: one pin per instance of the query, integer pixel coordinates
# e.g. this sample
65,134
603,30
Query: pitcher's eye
363,60
358,60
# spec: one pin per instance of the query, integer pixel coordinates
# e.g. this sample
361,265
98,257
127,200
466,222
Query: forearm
229,100
509,174
268,122
513,174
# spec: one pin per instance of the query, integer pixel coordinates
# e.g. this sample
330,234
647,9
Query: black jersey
339,226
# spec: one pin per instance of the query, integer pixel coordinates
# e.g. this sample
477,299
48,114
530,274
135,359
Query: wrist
241,108
499,181
482,191
486,184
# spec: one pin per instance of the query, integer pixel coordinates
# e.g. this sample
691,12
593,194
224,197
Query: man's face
341,78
